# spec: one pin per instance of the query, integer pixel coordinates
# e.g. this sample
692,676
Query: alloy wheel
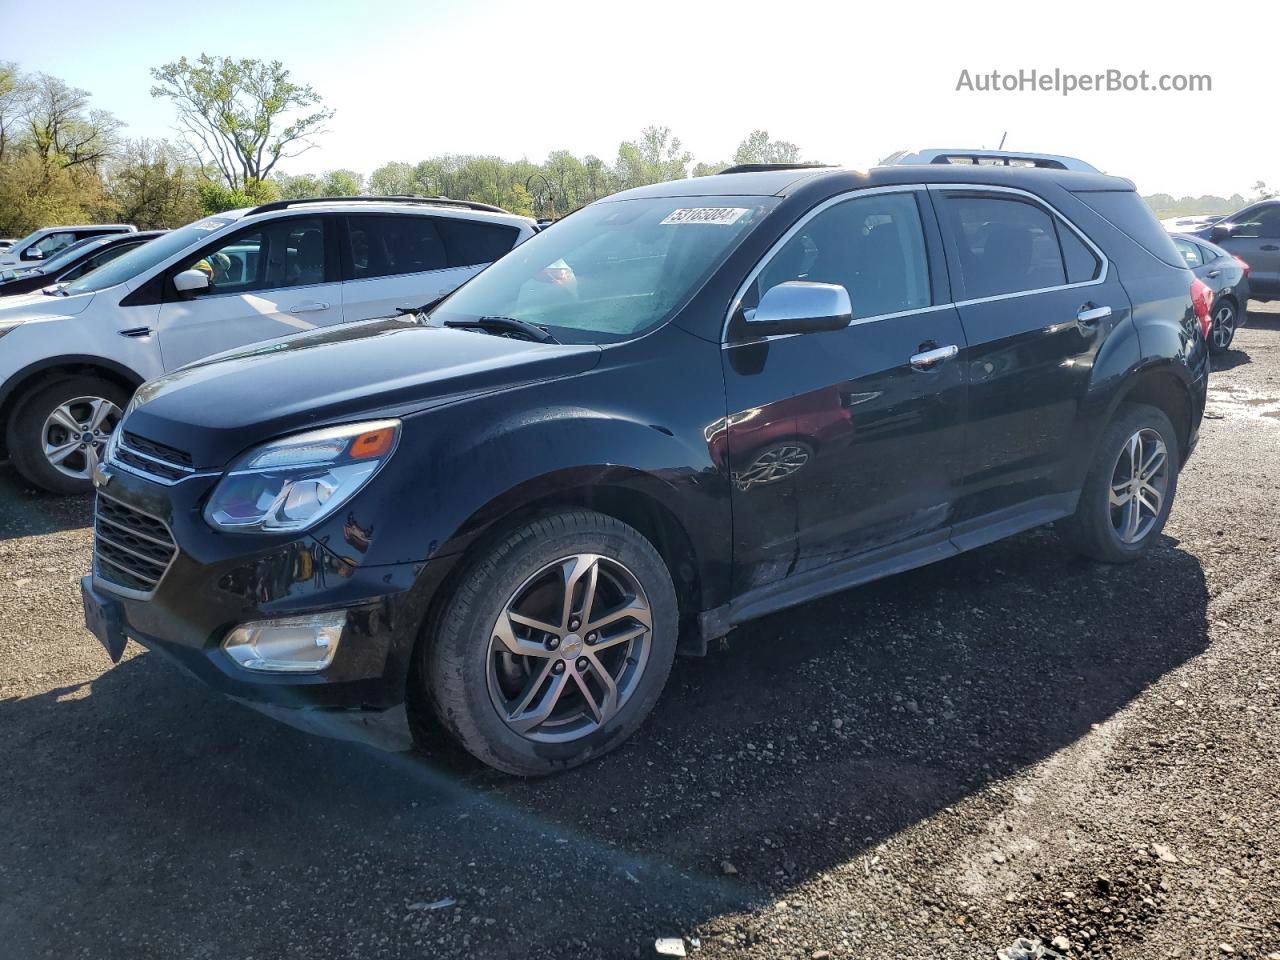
75,434
1139,482
1224,326
569,648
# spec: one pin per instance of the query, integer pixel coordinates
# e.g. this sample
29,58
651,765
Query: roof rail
995,158
429,201
765,167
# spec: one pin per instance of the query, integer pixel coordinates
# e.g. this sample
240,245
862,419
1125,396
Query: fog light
289,645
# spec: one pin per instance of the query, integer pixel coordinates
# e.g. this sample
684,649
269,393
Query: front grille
156,461
131,550
159,450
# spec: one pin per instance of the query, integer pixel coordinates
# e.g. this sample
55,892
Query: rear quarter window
1127,212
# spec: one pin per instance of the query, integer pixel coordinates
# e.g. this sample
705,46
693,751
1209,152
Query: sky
849,83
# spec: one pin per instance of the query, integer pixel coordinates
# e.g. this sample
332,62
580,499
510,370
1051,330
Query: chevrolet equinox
682,407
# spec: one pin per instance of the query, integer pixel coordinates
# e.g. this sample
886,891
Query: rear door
271,279
840,447
407,260
1037,300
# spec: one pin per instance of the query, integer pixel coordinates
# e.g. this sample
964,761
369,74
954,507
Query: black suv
680,408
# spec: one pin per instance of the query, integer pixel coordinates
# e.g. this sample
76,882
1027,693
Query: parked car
6,243
44,243
1227,277
73,262
225,281
1253,235
505,516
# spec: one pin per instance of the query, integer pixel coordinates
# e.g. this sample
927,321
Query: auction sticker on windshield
717,215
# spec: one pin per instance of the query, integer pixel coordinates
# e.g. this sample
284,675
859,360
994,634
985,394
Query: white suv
71,356
37,247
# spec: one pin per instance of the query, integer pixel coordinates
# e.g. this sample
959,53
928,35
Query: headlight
294,483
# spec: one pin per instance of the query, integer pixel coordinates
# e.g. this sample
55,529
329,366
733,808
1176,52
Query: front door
1037,302
269,280
840,447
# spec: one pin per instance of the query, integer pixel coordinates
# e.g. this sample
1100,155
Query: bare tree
15,102
240,117
62,127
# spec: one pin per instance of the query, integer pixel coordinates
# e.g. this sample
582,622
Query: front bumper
217,581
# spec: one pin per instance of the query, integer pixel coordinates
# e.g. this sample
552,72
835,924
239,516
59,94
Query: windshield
611,271
144,257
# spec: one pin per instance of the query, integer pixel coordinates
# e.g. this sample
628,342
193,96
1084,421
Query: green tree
15,101
63,129
758,148
652,158
392,180
241,117
216,196
341,183
151,186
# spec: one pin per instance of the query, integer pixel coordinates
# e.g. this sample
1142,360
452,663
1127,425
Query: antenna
1002,137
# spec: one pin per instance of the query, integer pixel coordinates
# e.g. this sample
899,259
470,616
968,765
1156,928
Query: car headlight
294,483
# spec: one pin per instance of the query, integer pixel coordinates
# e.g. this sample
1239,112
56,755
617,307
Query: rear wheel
1224,326
59,431
554,646
1130,488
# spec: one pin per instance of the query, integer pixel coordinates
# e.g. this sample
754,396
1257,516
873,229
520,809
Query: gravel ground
1012,743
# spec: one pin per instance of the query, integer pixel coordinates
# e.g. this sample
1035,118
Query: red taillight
1243,264
1202,300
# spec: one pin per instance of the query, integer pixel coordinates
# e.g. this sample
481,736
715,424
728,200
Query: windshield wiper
504,324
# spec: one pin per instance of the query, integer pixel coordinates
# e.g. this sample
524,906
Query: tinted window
1128,213
149,255
1082,263
872,246
1190,252
383,246
1262,222
279,253
53,243
96,261
1004,246
469,243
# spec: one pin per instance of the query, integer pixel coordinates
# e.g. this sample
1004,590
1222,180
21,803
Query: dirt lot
1010,743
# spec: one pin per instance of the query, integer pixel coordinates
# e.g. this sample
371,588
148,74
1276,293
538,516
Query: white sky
849,83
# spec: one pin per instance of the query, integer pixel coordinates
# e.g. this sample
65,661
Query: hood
37,306
216,408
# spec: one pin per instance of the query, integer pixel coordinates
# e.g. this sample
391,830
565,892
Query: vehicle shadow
1229,360
26,512
817,734
1263,316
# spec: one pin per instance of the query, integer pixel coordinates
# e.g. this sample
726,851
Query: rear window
1127,212
469,242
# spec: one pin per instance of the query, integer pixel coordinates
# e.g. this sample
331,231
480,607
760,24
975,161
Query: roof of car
779,183
442,207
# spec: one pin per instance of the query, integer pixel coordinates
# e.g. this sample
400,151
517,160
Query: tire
476,684
1105,530
30,428
1226,320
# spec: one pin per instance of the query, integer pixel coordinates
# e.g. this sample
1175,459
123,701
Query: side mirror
1219,232
191,282
33,253
800,307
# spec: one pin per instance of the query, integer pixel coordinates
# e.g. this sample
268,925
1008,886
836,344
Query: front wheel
554,646
59,431
1224,326
1130,488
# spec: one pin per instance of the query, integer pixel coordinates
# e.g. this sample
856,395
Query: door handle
1214,273
309,307
931,358
1088,316
1270,246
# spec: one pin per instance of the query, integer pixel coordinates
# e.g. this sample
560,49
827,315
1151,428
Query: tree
15,101
216,197
151,186
392,180
656,156
341,183
758,148
63,129
241,117
1262,192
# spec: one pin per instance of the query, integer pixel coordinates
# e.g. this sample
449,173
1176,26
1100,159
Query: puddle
1241,403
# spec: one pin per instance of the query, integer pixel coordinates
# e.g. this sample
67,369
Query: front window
611,271
148,255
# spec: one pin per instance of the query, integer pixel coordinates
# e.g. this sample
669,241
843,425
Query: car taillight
1202,300
1243,264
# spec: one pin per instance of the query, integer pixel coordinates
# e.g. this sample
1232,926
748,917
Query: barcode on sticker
717,215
